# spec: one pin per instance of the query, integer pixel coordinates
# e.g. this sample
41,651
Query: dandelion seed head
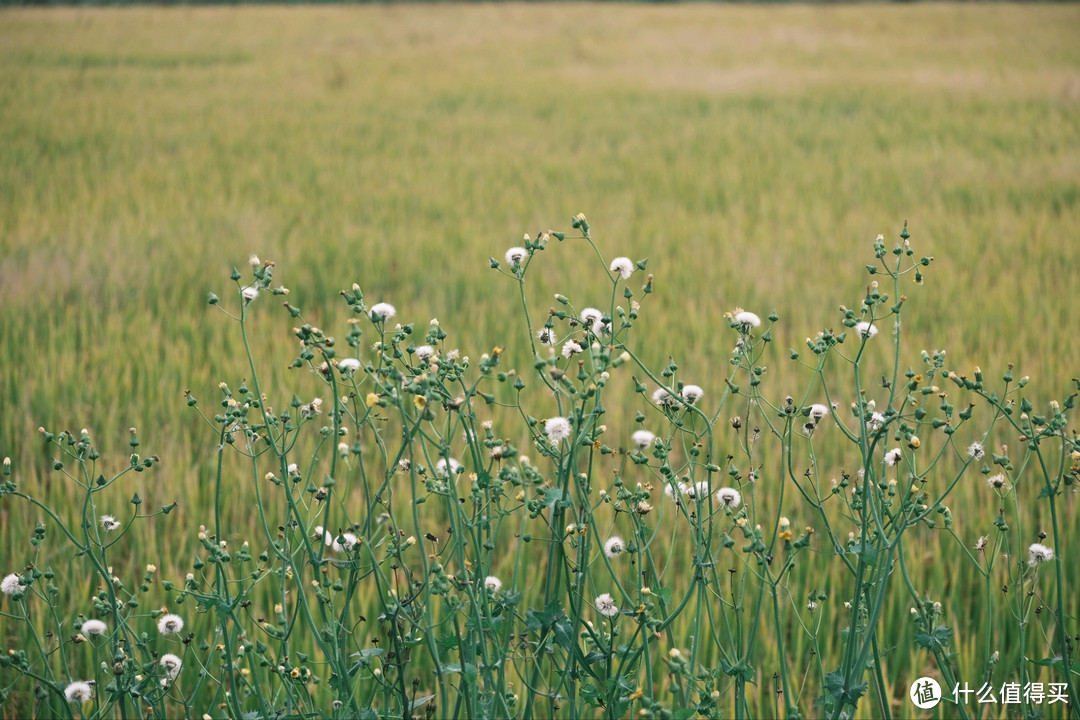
345,542
998,481
643,439
10,584
746,319
570,348
516,255
980,544
546,336
728,497
424,352
348,365
249,292
695,490
663,398
79,691
493,584
109,522
865,330
605,605
818,411
1038,554
893,456
172,664
975,451
692,393
382,311
614,547
442,466
557,429
624,266
170,624
94,627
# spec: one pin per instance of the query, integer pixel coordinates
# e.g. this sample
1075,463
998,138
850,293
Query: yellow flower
372,399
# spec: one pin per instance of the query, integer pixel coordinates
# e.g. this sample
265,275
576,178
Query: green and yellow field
752,154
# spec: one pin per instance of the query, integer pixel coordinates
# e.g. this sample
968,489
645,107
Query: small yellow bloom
372,399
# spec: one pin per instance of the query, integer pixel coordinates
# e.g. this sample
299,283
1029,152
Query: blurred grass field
751,153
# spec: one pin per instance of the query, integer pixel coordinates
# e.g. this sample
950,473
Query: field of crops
750,154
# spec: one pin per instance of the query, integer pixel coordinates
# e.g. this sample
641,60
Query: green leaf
468,671
421,701
684,713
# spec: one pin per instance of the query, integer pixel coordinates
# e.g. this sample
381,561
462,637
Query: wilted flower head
249,292
94,627
493,584
818,411
343,542
980,544
557,429
172,664
79,691
975,451
606,606
441,467
10,584
170,624
893,456
624,266
614,546
692,393
546,336
865,329
424,352
570,348
728,497
1038,554
109,522
312,409
643,439
516,255
382,311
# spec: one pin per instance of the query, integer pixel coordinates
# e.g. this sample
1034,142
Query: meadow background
751,153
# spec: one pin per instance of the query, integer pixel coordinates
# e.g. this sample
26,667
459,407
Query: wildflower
980,544
745,319
892,457
311,409
570,348
865,330
696,490
493,584
382,311
642,507
643,439
594,319
975,451
10,584
516,255
94,627
79,691
1038,554
424,352
345,542
557,429
998,481
624,266
818,411
442,465
692,393
614,546
728,497
170,624
349,365
249,292
172,664
606,606
109,522
663,398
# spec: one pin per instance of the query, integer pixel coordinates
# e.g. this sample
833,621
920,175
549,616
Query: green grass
752,154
